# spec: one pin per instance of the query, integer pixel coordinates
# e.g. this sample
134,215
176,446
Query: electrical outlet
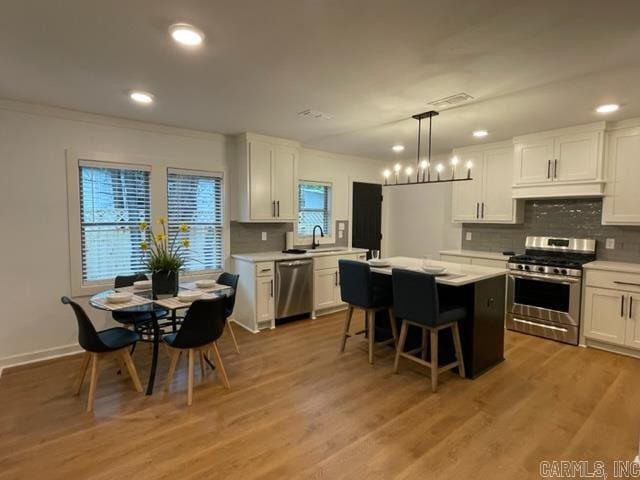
341,227
264,236
468,236
340,233
610,243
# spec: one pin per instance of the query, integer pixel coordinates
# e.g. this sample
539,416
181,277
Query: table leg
154,356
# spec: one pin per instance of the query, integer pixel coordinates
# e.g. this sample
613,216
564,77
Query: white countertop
613,266
276,256
458,274
475,254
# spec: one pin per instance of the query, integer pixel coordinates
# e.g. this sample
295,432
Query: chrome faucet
315,245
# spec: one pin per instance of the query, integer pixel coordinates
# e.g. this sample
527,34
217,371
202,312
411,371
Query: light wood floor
298,409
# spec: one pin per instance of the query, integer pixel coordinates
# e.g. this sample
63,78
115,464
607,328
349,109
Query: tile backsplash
247,237
578,218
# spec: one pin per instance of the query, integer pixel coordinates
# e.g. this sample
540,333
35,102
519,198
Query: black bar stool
359,290
416,302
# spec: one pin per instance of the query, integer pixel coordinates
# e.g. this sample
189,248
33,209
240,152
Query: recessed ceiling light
398,148
186,34
144,98
608,108
480,133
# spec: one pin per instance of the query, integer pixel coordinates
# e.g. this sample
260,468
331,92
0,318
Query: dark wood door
367,216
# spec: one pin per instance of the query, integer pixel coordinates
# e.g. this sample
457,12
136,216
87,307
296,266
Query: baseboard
38,356
243,326
620,350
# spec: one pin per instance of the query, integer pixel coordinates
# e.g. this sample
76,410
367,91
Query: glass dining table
143,302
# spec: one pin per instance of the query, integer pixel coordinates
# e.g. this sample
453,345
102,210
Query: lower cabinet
255,297
326,289
265,305
610,309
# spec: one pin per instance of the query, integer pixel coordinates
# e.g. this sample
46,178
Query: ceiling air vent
314,114
451,100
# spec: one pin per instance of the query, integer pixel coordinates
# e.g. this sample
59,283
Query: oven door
552,299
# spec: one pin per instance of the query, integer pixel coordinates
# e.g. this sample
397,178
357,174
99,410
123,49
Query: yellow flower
184,227
144,246
162,220
185,242
143,226
160,237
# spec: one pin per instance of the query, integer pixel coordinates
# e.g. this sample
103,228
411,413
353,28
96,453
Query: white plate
142,284
187,296
379,263
205,283
434,270
119,297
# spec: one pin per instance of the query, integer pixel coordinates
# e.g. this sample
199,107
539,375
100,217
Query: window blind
314,208
195,199
113,202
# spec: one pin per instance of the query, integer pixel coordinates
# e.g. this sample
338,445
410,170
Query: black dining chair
201,328
97,345
230,280
359,290
416,302
139,320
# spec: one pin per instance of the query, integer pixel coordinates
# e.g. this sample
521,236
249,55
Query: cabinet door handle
549,169
273,208
337,283
555,168
278,205
271,288
627,283
622,306
482,213
630,306
477,210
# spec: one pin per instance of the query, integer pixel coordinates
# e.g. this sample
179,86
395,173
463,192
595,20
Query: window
195,199
113,202
314,208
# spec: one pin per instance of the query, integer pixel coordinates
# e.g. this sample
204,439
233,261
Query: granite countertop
276,256
476,254
458,274
613,266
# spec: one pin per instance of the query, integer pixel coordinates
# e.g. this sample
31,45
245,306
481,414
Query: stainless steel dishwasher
294,287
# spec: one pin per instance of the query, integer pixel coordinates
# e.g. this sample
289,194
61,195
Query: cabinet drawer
331,261
264,269
617,280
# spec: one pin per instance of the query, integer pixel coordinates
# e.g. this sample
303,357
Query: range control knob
520,267
527,268
556,270
541,269
563,271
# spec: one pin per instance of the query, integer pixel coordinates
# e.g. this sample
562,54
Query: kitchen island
481,290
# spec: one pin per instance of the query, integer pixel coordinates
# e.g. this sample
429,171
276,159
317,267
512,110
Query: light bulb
424,164
386,173
439,167
469,164
408,170
454,161
397,167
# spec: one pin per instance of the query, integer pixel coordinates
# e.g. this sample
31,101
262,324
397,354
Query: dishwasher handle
295,263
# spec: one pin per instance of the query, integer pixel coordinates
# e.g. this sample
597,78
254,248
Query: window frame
202,173
307,239
158,169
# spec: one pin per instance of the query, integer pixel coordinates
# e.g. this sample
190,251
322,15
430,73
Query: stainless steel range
544,287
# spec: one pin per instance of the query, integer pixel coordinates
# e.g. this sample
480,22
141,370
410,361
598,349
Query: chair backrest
415,296
356,286
128,280
230,280
87,335
203,323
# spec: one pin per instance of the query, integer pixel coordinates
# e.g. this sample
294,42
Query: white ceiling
370,64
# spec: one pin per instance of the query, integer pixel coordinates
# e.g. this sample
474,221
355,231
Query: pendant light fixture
423,165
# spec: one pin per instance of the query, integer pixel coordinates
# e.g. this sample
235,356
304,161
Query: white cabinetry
487,198
326,281
559,163
621,205
255,301
610,310
266,177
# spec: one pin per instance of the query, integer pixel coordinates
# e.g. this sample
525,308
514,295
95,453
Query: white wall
417,219
34,245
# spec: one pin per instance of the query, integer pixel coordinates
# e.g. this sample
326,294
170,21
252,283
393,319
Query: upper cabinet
488,197
266,169
621,206
560,163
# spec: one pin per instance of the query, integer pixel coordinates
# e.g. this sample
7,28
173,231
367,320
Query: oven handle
542,278
535,324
